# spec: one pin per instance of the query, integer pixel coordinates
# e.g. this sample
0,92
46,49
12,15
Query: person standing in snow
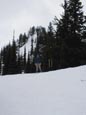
38,63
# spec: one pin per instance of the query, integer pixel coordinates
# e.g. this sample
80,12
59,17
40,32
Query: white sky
22,14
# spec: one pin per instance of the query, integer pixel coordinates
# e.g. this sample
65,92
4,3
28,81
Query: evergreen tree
13,59
24,58
19,66
31,46
25,38
69,33
31,31
28,65
22,40
76,22
50,46
62,35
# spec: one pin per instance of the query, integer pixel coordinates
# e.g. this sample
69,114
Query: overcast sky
20,15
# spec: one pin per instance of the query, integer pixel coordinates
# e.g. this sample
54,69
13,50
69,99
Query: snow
61,92
28,45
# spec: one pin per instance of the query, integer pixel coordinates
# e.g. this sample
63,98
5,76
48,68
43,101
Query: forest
61,45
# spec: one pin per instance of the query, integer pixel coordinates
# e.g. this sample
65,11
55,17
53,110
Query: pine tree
13,59
69,33
19,66
28,65
24,58
31,46
62,34
31,31
50,46
25,38
20,40
76,22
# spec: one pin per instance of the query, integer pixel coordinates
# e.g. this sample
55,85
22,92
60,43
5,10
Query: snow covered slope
28,45
61,92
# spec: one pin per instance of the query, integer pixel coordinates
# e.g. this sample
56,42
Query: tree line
61,45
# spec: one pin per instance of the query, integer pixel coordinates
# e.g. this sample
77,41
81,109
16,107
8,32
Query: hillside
61,92
27,45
